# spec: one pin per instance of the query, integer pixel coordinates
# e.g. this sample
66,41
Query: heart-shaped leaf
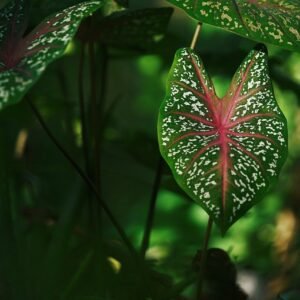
224,153
270,21
24,58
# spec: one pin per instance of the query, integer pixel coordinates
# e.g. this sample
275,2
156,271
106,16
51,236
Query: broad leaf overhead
270,21
24,58
226,152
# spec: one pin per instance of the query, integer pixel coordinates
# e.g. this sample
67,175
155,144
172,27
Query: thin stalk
151,210
95,130
94,111
103,80
204,258
196,35
84,127
82,110
86,179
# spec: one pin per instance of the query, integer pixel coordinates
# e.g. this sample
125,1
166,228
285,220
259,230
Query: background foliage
49,239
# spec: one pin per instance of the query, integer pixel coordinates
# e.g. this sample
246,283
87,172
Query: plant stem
95,115
151,210
196,35
204,258
94,112
84,128
86,179
103,80
82,110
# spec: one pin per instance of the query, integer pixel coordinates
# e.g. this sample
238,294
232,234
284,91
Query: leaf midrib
222,127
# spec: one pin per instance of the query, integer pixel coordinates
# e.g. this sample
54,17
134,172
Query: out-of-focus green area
48,248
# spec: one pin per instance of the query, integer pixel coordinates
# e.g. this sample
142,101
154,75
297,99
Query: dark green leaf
124,3
226,152
138,30
23,59
270,21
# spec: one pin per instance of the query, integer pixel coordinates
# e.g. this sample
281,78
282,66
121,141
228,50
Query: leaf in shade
270,21
139,29
290,295
124,3
24,58
42,9
224,153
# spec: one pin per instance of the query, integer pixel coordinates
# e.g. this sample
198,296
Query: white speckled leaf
224,153
23,59
269,21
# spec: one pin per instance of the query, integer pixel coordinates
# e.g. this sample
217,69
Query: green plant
225,152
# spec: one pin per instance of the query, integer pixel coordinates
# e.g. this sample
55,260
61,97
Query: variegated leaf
23,59
269,21
224,153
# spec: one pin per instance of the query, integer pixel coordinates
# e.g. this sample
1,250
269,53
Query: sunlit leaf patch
24,58
224,153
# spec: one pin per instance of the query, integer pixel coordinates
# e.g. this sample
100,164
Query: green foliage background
49,246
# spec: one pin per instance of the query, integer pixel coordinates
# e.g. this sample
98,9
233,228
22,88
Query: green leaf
40,9
224,152
24,58
124,3
270,21
137,30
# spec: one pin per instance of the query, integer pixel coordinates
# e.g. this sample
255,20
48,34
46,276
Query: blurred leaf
271,21
285,81
136,30
23,59
290,295
224,152
124,3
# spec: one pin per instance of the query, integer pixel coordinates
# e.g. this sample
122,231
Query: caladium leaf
269,21
40,9
224,152
24,58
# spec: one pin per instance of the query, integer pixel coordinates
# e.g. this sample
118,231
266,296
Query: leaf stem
95,115
151,210
82,110
204,257
103,80
94,112
86,179
196,36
